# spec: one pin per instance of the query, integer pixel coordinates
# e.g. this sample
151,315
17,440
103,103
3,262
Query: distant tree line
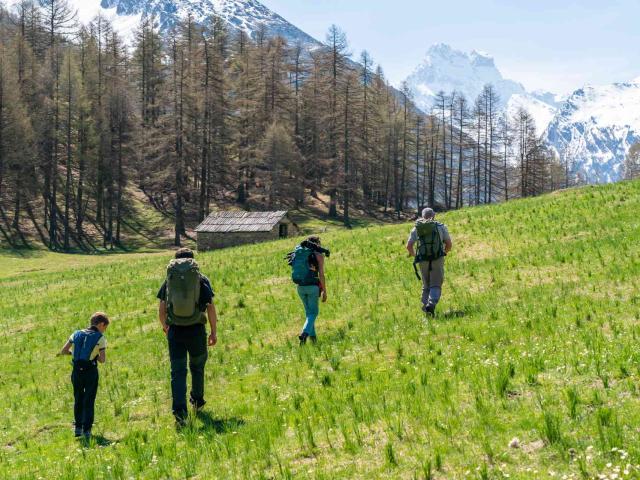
201,117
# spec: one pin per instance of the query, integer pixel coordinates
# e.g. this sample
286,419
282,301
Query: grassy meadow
537,339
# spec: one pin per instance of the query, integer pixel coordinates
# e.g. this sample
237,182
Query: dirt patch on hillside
471,249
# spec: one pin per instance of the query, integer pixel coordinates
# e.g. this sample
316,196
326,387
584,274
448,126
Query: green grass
537,337
310,221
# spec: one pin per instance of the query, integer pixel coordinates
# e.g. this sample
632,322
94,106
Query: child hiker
307,271
89,348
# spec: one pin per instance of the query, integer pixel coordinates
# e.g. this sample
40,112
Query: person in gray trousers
432,272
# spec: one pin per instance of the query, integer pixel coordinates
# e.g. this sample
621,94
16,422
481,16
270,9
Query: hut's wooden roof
230,222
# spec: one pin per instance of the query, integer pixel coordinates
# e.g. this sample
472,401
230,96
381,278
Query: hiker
186,302
89,347
307,271
434,243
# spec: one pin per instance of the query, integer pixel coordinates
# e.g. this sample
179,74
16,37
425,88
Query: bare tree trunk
418,119
67,187
347,146
179,119
405,127
53,202
459,197
444,153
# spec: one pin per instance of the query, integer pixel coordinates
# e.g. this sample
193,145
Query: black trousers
84,378
187,345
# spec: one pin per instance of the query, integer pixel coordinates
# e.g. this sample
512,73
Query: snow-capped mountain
244,15
447,69
595,127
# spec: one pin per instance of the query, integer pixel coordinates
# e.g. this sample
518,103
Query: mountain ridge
244,15
247,15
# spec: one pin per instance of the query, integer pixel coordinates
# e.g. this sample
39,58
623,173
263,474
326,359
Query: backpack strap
415,269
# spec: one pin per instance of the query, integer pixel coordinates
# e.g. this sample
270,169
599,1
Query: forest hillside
93,132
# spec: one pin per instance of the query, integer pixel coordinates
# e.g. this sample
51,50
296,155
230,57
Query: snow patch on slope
541,111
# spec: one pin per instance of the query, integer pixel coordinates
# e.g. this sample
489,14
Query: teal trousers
310,296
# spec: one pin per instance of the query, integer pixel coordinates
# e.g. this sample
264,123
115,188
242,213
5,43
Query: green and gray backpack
183,292
430,244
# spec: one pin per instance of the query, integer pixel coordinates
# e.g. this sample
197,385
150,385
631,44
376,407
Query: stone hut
228,229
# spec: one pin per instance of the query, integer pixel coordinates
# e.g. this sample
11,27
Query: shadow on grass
212,424
450,314
22,252
97,441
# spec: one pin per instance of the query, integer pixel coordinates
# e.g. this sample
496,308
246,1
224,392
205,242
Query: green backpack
430,244
183,292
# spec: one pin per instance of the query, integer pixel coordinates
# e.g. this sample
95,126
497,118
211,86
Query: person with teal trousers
307,263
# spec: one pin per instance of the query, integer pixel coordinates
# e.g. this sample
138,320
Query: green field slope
537,338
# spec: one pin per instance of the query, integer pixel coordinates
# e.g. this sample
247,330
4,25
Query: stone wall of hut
213,241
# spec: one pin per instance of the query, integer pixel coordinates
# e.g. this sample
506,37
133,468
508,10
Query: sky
552,45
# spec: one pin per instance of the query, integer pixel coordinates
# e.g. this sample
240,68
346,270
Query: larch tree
336,59
631,168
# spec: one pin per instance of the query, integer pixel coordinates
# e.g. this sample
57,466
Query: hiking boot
313,339
429,309
197,404
86,435
78,432
303,338
181,420
181,417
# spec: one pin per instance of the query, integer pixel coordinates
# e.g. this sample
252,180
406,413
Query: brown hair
314,239
98,318
184,253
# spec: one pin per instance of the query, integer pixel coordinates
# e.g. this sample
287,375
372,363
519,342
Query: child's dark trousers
84,378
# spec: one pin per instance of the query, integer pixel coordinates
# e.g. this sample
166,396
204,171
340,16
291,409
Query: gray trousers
432,280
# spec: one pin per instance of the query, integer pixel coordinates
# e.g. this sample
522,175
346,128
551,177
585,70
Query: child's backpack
183,292
302,272
430,244
84,341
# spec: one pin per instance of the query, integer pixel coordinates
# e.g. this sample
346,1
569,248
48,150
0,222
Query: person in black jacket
188,345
